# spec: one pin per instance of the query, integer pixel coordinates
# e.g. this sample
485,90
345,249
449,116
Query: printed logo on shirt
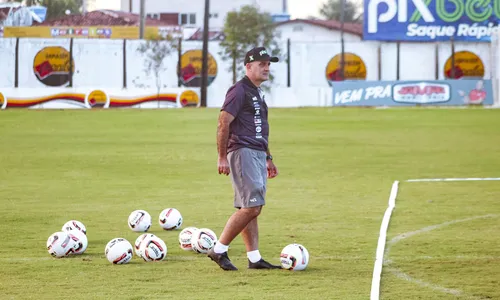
257,118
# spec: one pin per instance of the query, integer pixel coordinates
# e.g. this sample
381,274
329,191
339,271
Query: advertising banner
431,20
412,93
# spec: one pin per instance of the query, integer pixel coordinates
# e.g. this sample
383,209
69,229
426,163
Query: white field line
379,257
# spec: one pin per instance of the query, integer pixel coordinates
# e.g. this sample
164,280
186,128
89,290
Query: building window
187,19
154,16
214,15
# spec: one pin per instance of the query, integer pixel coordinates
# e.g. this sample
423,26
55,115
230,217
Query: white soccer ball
203,240
294,257
60,244
74,225
153,249
185,238
170,219
139,221
119,251
138,242
80,241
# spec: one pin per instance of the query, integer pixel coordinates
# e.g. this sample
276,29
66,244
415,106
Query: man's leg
238,223
250,235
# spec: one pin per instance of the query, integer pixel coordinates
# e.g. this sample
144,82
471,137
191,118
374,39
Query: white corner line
379,258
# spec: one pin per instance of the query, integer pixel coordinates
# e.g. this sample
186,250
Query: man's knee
252,212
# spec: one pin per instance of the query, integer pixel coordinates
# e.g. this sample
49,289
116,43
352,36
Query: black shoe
262,264
222,260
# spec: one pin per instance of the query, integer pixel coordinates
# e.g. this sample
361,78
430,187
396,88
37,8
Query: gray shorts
249,177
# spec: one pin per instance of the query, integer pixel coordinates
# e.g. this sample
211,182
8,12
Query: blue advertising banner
431,20
412,93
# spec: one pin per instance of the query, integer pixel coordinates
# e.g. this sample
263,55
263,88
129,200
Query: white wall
99,63
221,7
304,32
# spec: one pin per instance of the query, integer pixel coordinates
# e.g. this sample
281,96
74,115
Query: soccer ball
80,241
153,249
139,221
185,238
118,251
294,257
138,242
74,225
60,244
170,219
203,240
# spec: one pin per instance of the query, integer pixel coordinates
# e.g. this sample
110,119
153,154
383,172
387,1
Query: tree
244,30
156,49
332,10
56,8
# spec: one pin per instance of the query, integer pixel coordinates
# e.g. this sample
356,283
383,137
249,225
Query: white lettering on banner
348,96
373,92
402,12
378,92
464,30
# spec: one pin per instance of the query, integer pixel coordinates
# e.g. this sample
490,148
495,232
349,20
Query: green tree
244,30
332,10
156,49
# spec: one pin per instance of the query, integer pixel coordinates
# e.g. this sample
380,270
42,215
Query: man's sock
220,248
254,256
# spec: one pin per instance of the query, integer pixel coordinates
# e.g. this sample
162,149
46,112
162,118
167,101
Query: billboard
431,20
413,93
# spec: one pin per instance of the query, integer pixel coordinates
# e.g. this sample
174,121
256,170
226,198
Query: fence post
398,60
179,57
437,61
16,71
124,63
379,58
288,47
70,62
452,58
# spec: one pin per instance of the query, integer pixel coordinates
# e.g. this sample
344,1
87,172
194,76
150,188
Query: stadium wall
117,65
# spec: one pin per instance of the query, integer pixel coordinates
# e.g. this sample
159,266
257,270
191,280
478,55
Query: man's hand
272,171
223,166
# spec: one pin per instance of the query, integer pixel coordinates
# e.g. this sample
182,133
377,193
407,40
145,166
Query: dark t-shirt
250,127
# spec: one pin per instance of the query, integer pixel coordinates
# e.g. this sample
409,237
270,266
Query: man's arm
225,119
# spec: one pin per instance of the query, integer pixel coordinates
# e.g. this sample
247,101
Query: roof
212,35
104,18
353,28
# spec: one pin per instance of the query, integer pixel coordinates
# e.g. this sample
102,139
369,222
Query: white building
191,14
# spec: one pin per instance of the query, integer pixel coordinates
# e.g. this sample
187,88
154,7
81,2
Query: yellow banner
98,32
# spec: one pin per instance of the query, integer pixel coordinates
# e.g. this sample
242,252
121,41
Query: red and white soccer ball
170,219
60,244
80,241
74,225
185,238
119,251
138,242
203,240
294,257
139,221
153,248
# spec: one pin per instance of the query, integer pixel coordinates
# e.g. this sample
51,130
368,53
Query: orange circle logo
467,65
97,99
354,68
191,62
189,99
3,103
51,66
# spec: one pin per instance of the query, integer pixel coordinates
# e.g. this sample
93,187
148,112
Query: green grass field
336,170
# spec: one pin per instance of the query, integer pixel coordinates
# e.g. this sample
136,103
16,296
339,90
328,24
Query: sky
297,8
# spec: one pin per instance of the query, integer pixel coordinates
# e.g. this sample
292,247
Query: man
242,144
